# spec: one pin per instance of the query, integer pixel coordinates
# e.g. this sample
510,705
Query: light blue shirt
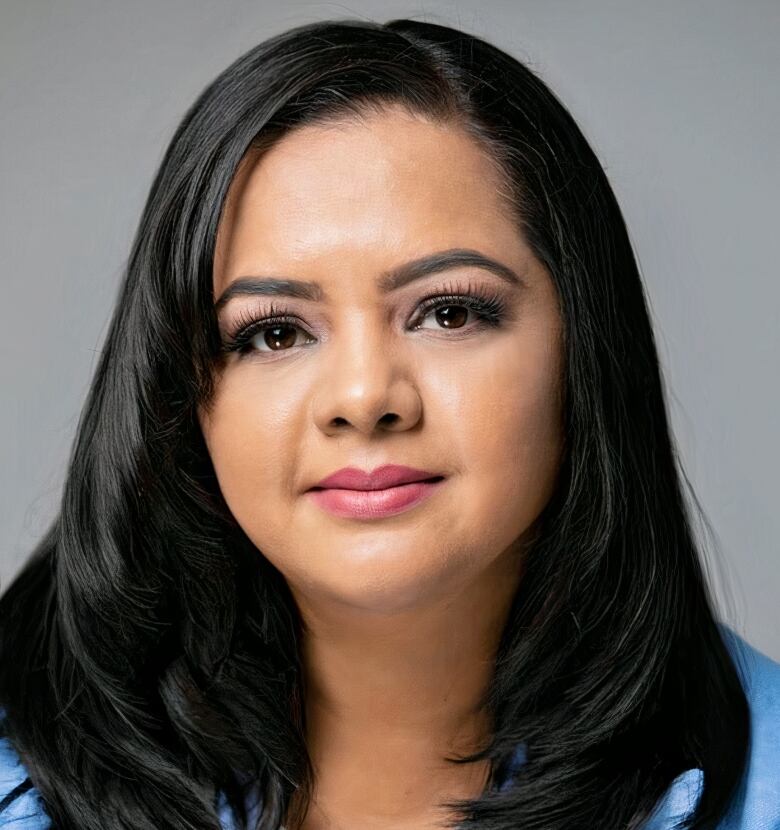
757,808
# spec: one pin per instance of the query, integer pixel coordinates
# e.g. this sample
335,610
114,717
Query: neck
389,695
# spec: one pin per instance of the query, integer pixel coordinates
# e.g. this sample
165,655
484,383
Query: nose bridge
365,377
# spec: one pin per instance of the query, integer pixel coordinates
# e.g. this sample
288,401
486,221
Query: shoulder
758,804
20,807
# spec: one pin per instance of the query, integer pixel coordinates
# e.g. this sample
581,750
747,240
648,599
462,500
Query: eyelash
487,305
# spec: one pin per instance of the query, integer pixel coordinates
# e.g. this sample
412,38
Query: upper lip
389,475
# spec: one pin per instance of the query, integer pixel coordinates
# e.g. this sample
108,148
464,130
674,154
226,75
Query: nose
368,384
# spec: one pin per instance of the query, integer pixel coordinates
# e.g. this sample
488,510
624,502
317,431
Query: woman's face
363,374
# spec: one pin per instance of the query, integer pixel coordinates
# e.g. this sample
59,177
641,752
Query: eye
278,335
447,315
277,331
451,311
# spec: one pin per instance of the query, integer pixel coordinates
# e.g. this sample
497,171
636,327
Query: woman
373,518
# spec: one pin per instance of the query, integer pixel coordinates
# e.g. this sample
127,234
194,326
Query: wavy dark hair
151,654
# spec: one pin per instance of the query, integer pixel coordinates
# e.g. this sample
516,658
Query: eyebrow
389,280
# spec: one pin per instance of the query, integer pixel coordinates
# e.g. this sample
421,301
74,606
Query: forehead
389,185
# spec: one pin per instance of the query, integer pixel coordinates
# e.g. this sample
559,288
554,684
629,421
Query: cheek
248,434
509,431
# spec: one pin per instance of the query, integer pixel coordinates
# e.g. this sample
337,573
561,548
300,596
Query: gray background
680,102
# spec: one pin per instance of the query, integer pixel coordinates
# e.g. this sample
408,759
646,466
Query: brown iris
446,317
273,340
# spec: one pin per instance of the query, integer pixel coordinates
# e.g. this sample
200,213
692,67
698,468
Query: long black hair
151,654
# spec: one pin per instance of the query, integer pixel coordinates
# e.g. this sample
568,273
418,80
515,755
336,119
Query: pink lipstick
388,490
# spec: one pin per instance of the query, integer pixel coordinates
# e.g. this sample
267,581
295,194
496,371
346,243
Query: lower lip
374,504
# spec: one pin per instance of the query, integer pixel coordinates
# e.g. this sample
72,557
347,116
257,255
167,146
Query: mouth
377,503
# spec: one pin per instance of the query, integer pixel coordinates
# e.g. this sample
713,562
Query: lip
387,491
388,475
373,504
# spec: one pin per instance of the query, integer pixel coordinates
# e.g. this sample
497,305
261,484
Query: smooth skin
403,614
